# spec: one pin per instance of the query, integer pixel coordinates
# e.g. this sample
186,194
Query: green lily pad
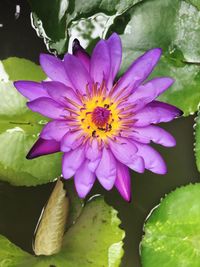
174,26
52,20
94,240
22,69
195,3
172,231
19,129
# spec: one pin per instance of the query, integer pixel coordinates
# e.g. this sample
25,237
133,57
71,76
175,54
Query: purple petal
106,170
126,152
54,68
94,154
55,130
92,151
84,180
77,73
81,54
71,140
48,107
59,92
123,181
100,63
149,91
152,159
92,165
138,71
72,161
31,90
156,112
115,48
155,134
43,147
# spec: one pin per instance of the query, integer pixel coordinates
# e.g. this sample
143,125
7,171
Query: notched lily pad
20,127
172,231
53,20
94,240
174,26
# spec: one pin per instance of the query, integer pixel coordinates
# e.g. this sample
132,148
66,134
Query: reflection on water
20,207
17,11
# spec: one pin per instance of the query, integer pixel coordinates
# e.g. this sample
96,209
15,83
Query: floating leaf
172,230
174,26
195,3
19,129
52,20
94,240
22,69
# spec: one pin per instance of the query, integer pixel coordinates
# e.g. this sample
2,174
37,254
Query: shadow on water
20,207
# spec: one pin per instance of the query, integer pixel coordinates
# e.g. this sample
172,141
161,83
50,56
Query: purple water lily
103,127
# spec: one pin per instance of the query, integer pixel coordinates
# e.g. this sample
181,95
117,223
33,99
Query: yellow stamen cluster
110,128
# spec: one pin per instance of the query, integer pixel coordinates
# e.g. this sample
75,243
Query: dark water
20,206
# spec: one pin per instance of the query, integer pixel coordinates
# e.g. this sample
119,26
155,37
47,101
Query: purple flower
103,127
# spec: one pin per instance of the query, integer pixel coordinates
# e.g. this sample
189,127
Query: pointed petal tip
171,142
154,53
82,193
68,173
123,182
106,184
32,155
43,147
76,41
180,112
19,84
42,56
166,80
127,197
114,35
46,59
162,171
29,155
125,194
157,50
75,45
16,83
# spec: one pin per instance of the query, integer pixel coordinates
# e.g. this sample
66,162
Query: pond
20,207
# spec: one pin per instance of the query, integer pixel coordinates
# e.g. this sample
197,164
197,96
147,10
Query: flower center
100,116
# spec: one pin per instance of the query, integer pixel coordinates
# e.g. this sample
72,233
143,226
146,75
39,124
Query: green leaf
52,20
11,255
19,129
172,231
94,240
195,3
22,69
174,26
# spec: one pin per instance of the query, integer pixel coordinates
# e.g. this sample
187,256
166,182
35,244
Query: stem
51,225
